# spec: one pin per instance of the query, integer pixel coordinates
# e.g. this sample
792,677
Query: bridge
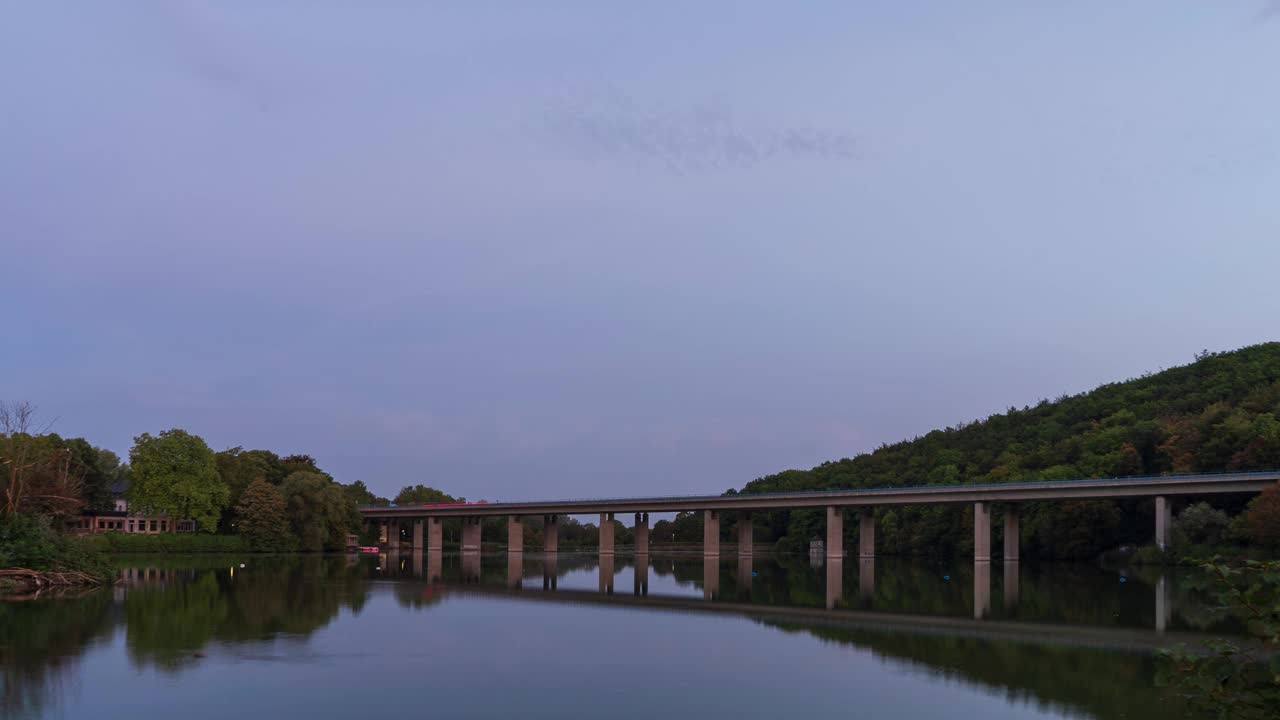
982,496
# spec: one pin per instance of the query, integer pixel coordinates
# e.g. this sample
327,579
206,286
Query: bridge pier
746,536
470,534
642,535
835,532
393,535
1164,519
417,536
551,533
1011,533
515,534
711,533
981,533
866,534
606,533
435,534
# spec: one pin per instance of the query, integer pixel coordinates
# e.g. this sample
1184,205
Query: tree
238,469
319,511
261,518
419,494
360,494
175,474
38,474
1263,518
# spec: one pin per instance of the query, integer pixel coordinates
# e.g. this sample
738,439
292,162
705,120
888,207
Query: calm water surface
444,635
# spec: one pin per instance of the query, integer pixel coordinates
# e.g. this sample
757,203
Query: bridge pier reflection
710,576
515,569
981,589
744,576
1164,604
550,566
606,574
867,577
416,563
1011,570
835,580
471,568
641,583
435,563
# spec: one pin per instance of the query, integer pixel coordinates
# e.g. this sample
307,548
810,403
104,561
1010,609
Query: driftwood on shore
44,579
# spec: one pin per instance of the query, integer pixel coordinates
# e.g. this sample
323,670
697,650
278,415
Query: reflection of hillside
1101,683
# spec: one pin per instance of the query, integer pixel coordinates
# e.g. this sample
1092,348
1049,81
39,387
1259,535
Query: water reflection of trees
40,644
169,618
168,625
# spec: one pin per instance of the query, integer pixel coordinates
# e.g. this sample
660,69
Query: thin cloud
687,141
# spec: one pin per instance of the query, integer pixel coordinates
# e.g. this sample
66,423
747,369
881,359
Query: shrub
1199,524
29,541
1262,519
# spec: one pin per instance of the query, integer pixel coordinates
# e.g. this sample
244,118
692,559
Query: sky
597,249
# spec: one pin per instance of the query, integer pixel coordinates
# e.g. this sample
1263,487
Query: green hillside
1216,414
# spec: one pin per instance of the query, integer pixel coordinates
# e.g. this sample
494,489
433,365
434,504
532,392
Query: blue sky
520,250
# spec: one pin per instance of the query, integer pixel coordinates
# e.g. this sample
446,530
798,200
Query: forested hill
1218,413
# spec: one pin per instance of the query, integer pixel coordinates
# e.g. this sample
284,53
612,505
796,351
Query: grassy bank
115,543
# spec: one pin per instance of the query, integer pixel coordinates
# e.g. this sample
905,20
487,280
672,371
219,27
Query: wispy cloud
688,140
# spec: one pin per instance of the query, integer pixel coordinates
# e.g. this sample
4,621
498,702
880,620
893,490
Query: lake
486,637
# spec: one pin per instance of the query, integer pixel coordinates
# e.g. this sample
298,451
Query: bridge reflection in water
537,578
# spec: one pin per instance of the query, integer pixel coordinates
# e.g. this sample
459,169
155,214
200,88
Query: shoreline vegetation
1218,413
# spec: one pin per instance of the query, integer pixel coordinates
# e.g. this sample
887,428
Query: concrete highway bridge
836,502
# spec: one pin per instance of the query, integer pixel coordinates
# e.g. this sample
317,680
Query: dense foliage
262,520
1226,679
174,473
1220,413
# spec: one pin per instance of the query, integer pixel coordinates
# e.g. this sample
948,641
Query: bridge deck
1131,487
